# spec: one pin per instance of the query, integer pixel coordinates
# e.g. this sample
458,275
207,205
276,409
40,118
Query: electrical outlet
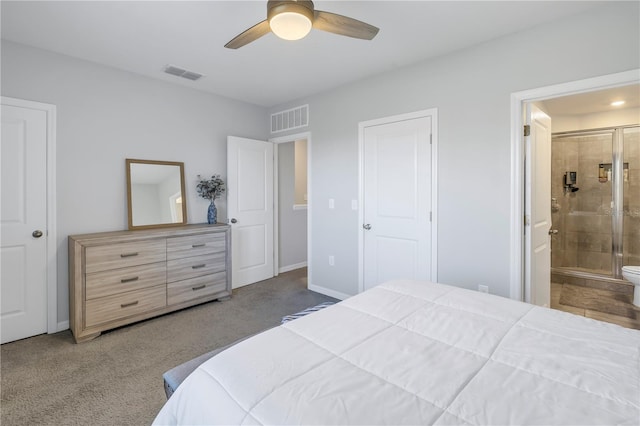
483,288
332,203
332,261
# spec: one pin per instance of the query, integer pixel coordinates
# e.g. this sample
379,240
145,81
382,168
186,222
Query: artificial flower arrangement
211,189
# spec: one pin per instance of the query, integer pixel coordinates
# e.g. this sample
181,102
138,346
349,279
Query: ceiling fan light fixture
290,25
290,20
293,19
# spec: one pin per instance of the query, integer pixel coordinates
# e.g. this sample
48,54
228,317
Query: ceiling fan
293,19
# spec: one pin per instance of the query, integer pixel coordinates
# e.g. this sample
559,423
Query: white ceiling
143,36
592,102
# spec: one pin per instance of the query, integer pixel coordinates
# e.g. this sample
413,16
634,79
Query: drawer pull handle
200,287
198,266
129,254
198,245
128,280
126,305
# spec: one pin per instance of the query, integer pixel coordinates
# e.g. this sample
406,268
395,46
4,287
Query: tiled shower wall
583,218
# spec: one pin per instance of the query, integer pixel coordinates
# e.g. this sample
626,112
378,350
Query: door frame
52,240
518,101
276,209
432,113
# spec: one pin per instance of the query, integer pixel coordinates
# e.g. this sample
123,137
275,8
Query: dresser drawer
102,258
106,283
195,245
197,266
183,291
105,309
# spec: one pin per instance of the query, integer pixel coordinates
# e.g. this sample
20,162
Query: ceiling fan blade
338,24
252,34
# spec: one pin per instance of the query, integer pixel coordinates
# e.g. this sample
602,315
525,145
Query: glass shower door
583,215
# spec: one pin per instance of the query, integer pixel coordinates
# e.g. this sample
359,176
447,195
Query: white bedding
414,353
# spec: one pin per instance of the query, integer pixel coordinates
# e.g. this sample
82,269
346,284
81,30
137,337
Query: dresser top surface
145,234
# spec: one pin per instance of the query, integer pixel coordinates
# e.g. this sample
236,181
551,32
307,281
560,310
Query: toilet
632,274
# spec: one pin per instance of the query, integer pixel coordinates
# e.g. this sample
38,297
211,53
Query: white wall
471,89
104,116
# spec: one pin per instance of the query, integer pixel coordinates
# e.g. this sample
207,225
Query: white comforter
421,353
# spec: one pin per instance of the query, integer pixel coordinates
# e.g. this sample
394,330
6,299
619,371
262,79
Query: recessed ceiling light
617,103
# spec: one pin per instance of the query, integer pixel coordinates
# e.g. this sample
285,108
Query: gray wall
471,89
292,224
106,115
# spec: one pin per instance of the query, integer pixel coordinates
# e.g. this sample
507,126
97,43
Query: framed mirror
155,193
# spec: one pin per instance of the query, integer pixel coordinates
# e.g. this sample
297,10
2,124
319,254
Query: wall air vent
293,118
180,72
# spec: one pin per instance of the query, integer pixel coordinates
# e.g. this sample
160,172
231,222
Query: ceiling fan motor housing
302,7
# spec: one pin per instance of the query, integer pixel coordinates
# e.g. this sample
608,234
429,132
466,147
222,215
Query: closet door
396,159
24,222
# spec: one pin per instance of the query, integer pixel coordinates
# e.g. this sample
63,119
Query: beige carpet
116,379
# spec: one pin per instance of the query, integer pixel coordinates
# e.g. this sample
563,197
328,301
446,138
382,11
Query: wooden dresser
117,278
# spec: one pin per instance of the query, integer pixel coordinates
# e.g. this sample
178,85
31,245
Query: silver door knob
234,220
37,233
553,231
367,226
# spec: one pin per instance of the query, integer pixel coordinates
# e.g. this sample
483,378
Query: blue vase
212,214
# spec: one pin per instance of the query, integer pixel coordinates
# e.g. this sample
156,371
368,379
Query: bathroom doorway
595,204
558,93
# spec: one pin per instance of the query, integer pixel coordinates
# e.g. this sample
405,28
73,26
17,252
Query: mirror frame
129,162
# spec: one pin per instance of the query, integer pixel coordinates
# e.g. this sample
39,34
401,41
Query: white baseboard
328,292
62,326
292,267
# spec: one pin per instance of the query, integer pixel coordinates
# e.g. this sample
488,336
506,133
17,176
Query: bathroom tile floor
600,304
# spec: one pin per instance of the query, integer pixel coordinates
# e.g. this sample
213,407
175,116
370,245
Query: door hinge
430,216
527,130
526,220
430,139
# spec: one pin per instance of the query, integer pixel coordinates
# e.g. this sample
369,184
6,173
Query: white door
23,223
250,209
538,208
396,201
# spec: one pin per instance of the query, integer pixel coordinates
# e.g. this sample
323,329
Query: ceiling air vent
180,72
293,118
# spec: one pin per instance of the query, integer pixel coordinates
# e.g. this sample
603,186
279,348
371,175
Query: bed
409,352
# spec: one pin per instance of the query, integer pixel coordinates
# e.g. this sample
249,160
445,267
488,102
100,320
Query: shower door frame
617,192
518,106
